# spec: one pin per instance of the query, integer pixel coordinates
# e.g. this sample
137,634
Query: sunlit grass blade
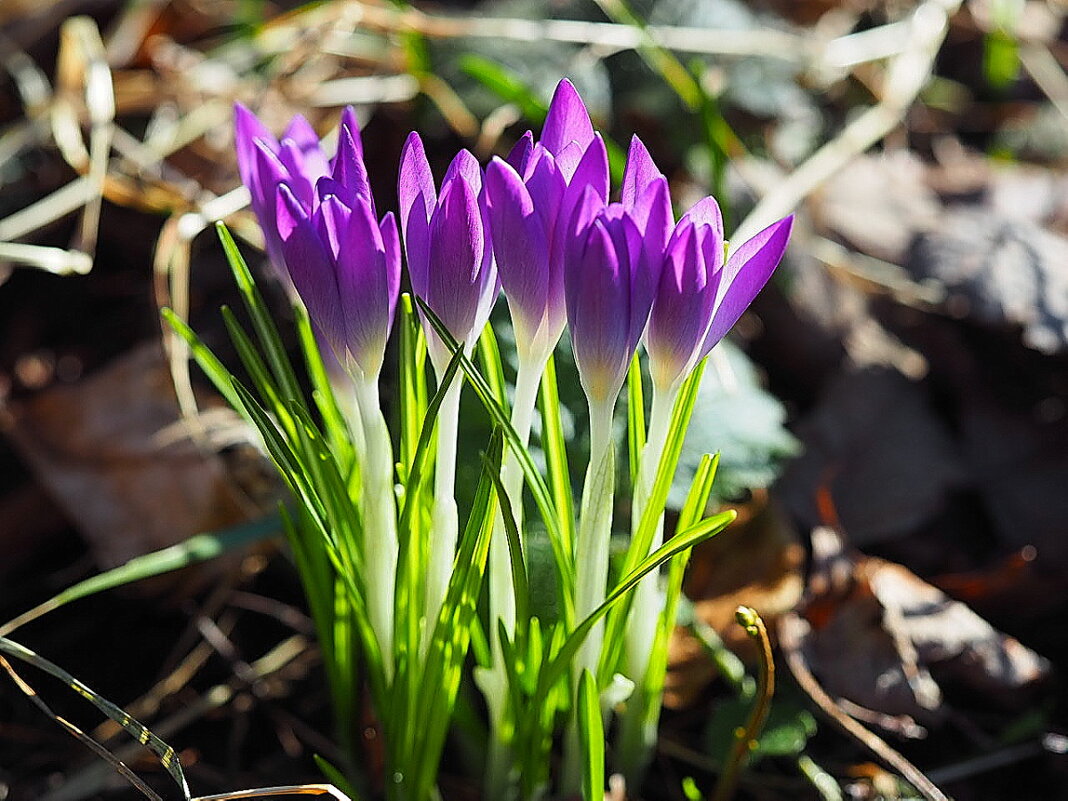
516,558
256,369
413,394
198,548
643,535
262,323
563,658
451,636
489,354
334,425
537,485
591,737
214,369
635,418
89,742
643,707
554,445
166,755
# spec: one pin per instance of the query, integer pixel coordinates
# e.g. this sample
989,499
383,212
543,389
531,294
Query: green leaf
682,541
635,418
448,646
538,488
591,737
167,756
198,548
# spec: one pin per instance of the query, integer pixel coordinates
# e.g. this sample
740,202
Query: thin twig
792,629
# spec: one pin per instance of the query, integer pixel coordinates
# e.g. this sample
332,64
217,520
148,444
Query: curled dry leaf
114,455
880,636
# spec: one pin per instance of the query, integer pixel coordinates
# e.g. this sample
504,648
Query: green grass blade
166,755
452,633
539,490
520,585
561,661
591,737
214,369
489,354
334,424
643,535
262,324
554,445
635,418
198,548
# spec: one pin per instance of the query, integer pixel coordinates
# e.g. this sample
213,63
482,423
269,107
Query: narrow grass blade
166,755
198,548
539,490
682,541
591,737
635,418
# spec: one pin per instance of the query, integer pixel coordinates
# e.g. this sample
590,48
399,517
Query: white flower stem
502,605
444,529
595,530
378,507
591,564
636,738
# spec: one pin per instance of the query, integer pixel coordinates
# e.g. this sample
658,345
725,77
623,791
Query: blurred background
891,413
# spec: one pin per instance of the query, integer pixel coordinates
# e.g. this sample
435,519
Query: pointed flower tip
567,121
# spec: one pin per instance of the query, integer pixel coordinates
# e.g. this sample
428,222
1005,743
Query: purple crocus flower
527,196
607,295
700,297
297,158
446,236
345,266
319,222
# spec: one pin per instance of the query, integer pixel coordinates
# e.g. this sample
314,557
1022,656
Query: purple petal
311,268
349,121
520,246
330,220
464,166
364,288
247,129
455,277
592,169
391,243
300,132
546,186
567,160
417,197
746,272
652,214
520,153
349,170
638,174
567,120
706,212
683,306
267,174
301,180
597,297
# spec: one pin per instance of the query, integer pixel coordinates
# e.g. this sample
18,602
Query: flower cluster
540,225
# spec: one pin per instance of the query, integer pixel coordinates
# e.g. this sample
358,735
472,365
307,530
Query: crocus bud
450,256
607,308
699,298
297,159
346,268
